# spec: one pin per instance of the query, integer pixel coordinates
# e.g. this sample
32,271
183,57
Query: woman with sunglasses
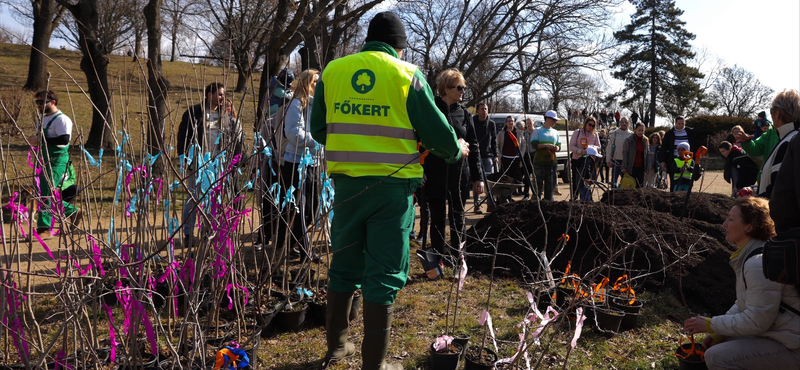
580,141
449,183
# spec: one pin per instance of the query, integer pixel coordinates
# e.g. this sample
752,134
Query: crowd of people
407,142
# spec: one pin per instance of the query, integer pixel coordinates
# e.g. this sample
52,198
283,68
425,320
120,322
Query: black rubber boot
377,327
337,324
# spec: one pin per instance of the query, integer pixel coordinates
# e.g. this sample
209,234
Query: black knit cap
387,27
762,114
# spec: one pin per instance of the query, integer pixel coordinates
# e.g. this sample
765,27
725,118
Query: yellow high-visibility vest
369,130
686,173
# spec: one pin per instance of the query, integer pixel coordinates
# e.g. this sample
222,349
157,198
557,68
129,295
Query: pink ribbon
228,293
578,327
442,342
111,332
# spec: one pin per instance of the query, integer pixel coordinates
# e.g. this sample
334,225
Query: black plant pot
631,311
463,340
446,361
291,320
316,312
689,364
477,363
608,320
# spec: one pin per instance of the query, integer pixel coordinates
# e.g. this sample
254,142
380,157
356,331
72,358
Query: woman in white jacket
762,328
298,138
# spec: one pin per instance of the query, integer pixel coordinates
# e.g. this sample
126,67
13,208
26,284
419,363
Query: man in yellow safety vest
369,110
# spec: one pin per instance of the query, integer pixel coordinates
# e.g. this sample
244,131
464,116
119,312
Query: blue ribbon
92,161
152,158
275,191
290,199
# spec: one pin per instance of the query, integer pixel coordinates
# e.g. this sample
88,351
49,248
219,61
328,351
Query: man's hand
741,137
479,189
34,140
464,148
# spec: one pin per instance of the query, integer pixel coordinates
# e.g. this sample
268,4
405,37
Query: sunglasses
42,102
591,125
460,88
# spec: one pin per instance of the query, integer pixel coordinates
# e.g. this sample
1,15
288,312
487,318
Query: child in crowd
684,171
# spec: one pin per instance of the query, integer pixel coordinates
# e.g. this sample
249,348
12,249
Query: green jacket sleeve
435,133
758,146
319,129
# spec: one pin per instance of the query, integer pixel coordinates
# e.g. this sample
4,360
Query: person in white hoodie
762,328
614,155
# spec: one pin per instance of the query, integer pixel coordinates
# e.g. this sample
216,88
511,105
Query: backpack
782,257
764,260
277,125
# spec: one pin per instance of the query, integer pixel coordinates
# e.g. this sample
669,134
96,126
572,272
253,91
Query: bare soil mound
638,236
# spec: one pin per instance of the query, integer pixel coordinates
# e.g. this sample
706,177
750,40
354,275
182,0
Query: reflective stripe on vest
686,173
369,131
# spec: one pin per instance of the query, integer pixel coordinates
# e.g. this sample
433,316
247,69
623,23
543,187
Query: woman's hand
695,325
708,342
479,187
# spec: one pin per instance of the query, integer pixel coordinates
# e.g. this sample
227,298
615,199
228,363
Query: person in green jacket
369,110
53,135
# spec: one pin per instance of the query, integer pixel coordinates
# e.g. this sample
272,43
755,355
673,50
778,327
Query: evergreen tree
656,61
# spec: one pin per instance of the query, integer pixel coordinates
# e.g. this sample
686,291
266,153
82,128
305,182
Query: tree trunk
94,65
174,34
308,55
272,65
653,76
241,79
137,44
157,109
526,89
43,13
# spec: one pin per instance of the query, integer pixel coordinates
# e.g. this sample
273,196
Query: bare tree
116,20
46,16
175,16
739,93
94,65
507,36
157,84
293,23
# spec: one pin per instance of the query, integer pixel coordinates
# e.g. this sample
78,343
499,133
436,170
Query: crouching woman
760,330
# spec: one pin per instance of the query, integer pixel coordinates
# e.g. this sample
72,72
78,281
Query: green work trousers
56,161
369,237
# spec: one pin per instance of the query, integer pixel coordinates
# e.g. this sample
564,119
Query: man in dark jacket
669,149
208,127
487,142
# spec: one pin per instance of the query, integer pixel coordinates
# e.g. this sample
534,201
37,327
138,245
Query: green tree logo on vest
363,81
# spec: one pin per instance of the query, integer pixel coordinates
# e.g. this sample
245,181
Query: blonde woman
298,139
448,184
761,329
